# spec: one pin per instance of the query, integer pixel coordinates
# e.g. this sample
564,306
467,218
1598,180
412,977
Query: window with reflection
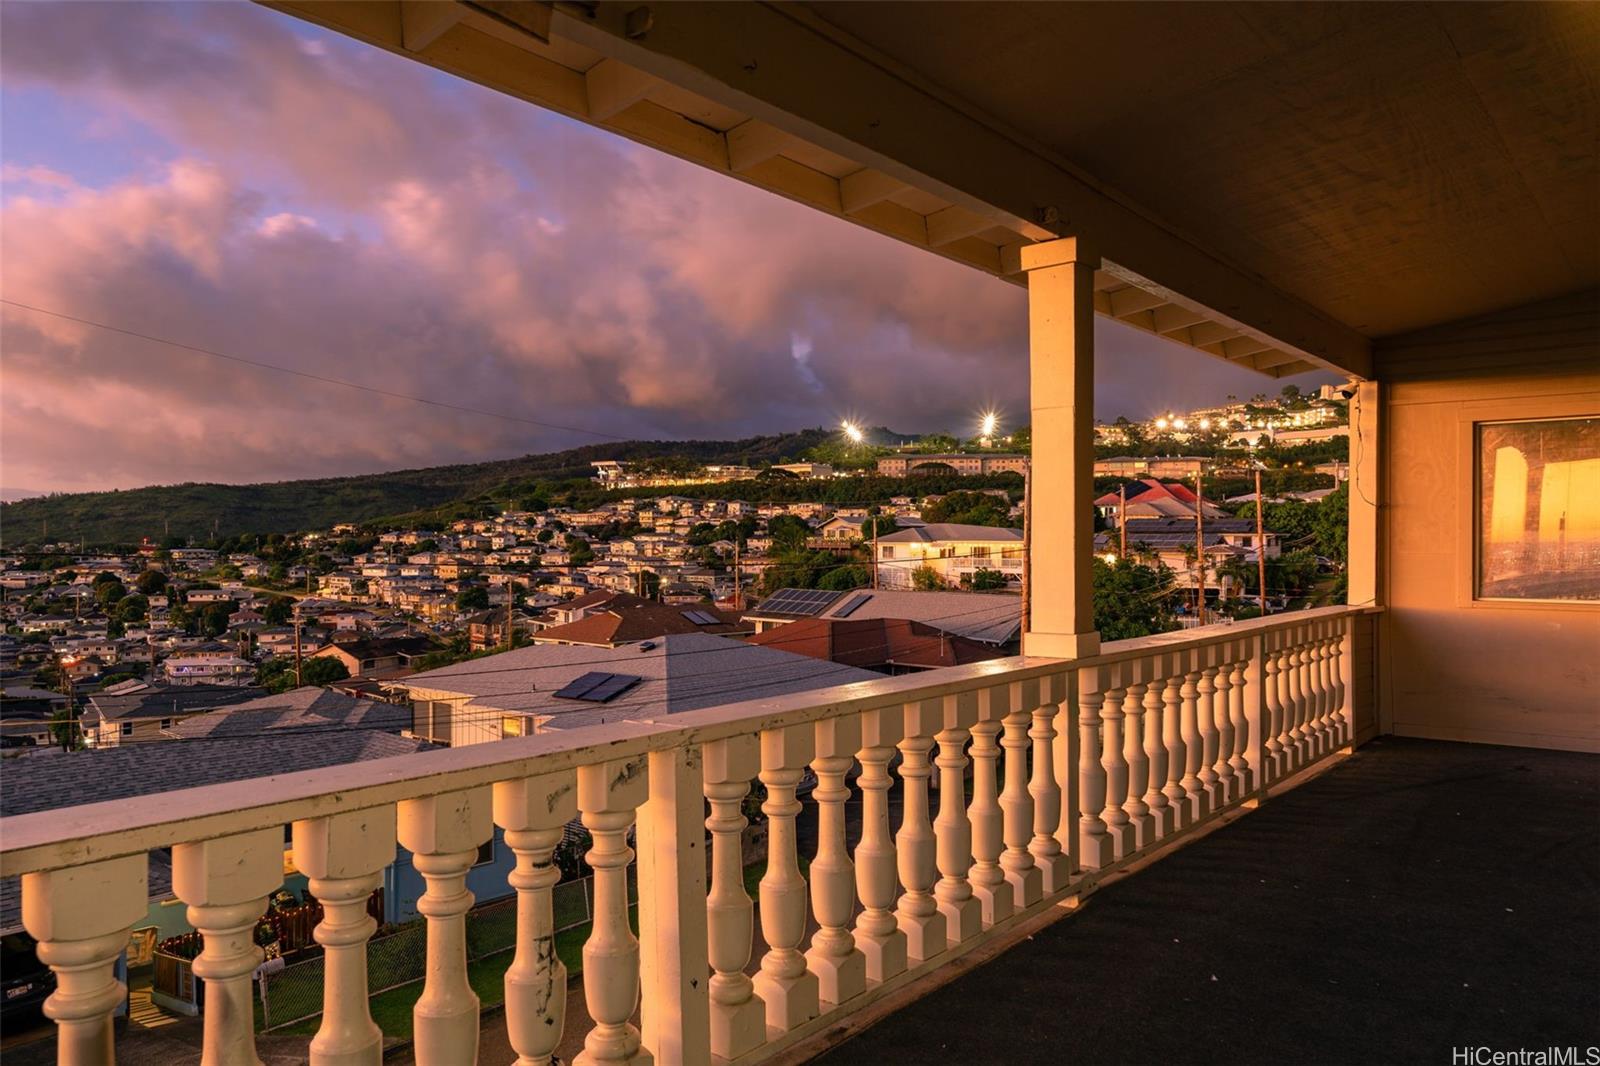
1539,510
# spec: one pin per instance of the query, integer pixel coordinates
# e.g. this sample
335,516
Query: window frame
1474,587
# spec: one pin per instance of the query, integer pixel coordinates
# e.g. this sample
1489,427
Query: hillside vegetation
197,510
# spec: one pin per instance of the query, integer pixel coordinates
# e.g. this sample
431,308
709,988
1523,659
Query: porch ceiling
1383,167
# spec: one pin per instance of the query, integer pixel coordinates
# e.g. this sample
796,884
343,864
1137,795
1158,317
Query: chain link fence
399,957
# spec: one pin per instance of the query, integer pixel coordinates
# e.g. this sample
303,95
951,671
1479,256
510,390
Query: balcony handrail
71,836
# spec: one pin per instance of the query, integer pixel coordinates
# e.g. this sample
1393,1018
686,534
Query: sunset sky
208,173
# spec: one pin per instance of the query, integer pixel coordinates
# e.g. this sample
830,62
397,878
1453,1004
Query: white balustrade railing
1076,767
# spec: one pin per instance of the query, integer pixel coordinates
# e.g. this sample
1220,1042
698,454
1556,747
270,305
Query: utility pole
1122,518
738,572
874,521
1200,546
1261,547
511,600
297,660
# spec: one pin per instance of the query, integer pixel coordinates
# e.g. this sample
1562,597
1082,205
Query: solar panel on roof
612,687
804,602
701,618
578,687
852,604
597,687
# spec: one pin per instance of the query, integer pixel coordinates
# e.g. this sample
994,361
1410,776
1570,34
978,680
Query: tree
545,536
475,598
969,508
1330,525
843,578
429,545
649,584
108,593
151,582
879,525
985,580
212,620
277,674
788,532
926,579
1131,599
132,608
278,610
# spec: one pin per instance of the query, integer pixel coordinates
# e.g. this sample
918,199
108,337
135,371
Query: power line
260,365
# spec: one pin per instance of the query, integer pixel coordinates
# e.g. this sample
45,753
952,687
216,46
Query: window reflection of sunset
1571,489
1510,503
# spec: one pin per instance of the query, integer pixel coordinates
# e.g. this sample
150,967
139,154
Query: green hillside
195,510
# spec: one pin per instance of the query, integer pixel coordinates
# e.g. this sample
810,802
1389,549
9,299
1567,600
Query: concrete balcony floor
1418,897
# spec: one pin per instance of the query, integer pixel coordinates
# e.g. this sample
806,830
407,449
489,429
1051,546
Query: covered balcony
1265,840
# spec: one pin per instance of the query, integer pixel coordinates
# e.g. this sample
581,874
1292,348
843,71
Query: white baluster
1045,788
915,848
1155,760
1136,810
1295,743
1206,723
1239,761
609,794
738,1015
532,811
1177,750
877,932
443,834
226,882
82,917
1272,703
841,969
1344,661
1224,792
1193,747
963,914
1327,685
344,855
1115,769
789,990
1026,882
995,896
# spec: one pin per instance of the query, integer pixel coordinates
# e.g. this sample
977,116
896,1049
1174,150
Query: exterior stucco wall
1451,666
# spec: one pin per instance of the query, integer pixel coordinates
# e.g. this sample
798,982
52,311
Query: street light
853,432
991,423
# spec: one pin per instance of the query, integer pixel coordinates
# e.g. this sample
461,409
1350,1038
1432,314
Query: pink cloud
348,213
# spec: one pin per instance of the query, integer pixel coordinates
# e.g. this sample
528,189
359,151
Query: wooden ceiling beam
424,21
614,87
787,67
866,187
754,142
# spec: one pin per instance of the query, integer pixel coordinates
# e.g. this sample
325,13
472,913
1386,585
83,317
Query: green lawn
392,1009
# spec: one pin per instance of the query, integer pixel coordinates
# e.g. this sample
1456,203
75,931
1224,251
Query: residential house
953,552
547,687
883,645
992,618
628,619
385,656
141,713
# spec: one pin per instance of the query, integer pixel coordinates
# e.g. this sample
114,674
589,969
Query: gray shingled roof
680,672
989,617
310,707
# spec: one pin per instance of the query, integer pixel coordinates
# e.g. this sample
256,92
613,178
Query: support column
443,834
82,917
1016,805
840,967
609,794
877,932
1138,813
226,882
1060,620
344,856
738,1016
791,992
672,910
1364,575
1177,750
532,811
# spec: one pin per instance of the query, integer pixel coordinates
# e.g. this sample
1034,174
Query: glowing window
1538,510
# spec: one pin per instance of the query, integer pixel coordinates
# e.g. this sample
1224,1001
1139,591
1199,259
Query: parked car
25,982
